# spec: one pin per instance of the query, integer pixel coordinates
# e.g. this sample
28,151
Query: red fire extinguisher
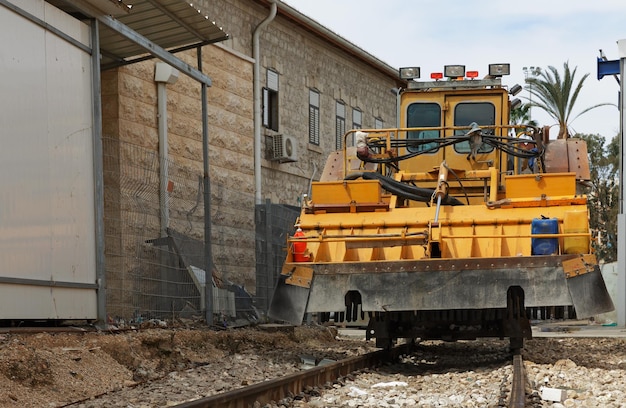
299,248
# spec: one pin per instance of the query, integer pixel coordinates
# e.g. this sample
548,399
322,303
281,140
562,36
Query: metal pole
206,185
163,157
530,97
621,220
98,172
532,72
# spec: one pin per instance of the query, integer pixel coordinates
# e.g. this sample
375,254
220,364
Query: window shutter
272,80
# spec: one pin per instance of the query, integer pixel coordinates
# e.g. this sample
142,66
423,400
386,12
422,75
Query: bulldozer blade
288,302
589,294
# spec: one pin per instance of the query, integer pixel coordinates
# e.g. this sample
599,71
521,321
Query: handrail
390,134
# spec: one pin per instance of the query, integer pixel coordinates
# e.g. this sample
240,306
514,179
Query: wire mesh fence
155,253
274,223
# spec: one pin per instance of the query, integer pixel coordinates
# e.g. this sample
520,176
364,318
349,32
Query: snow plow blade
289,301
586,287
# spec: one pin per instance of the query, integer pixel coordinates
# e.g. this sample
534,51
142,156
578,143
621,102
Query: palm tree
521,115
557,95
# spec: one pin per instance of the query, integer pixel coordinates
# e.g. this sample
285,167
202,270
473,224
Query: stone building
314,85
131,157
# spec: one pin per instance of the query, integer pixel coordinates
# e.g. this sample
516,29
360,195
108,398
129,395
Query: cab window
423,115
483,113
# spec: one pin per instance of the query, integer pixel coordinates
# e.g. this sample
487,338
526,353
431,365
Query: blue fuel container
545,246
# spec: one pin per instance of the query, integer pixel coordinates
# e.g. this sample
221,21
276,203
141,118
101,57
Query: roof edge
300,19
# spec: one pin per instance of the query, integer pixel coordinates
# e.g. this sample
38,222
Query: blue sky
431,34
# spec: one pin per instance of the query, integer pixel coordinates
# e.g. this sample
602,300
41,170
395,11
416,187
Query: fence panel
274,223
155,271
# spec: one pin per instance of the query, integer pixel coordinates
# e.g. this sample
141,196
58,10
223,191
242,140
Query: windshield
423,115
483,113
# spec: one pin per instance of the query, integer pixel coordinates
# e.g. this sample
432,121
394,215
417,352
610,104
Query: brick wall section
303,61
130,118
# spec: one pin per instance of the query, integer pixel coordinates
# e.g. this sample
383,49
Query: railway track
293,385
517,397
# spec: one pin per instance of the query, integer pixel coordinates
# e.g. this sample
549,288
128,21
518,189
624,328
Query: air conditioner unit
285,149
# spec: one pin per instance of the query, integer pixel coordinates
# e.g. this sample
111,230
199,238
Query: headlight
410,72
497,70
515,89
454,71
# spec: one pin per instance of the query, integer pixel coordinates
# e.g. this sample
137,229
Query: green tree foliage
521,115
556,94
603,195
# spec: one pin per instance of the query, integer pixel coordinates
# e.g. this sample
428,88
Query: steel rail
294,384
518,390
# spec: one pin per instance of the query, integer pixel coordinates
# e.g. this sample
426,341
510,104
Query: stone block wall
303,59
131,165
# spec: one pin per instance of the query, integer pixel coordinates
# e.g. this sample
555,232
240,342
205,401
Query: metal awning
173,25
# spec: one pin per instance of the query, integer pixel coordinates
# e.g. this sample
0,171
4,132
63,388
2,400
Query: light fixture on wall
165,73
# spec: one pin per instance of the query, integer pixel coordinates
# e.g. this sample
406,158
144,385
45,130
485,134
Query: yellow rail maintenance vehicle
455,225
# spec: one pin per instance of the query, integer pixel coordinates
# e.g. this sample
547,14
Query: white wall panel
47,225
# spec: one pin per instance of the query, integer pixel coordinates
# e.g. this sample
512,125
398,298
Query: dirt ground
54,369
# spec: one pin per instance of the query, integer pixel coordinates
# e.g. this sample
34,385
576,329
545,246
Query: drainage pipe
163,74
163,173
257,100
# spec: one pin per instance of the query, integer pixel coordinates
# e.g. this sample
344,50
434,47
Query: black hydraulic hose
509,145
404,190
424,192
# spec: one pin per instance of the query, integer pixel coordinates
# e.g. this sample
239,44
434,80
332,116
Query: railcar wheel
517,325
384,343
516,344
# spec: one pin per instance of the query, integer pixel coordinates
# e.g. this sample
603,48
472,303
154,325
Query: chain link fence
156,271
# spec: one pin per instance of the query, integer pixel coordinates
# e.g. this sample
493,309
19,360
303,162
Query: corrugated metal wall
47,243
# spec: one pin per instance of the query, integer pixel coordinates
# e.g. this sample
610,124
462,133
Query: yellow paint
298,274
579,266
471,231
357,221
576,222
530,185
346,192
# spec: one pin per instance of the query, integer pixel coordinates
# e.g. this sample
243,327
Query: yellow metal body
431,226
350,220
478,230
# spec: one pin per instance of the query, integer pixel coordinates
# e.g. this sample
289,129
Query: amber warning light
472,74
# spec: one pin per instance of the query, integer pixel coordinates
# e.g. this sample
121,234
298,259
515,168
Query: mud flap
586,287
288,302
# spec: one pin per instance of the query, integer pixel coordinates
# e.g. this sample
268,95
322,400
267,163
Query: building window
357,118
270,101
314,117
340,124
378,123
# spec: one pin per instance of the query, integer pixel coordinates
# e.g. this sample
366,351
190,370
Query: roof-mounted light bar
454,71
498,70
410,73
472,74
